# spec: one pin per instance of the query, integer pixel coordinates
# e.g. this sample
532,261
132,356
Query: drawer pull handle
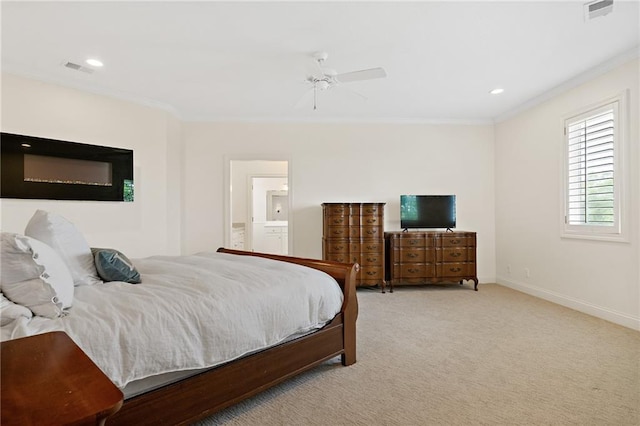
338,231
372,247
413,242
338,221
413,270
372,259
339,247
454,241
371,221
371,272
455,269
455,254
412,255
372,231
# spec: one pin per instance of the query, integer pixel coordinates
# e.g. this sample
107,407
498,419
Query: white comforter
190,312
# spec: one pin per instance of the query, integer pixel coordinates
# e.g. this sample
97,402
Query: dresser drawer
375,273
453,241
370,220
456,270
368,210
412,255
415,241
367,259
336,231
365,246
414,270
342,231
334,220
336,246
452,254
339,257
337,210
370,231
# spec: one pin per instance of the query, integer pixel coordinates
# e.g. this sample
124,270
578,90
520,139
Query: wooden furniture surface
426,257
354,233
47,379
196,397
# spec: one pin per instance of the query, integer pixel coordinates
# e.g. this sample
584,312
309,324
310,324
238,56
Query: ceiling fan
323,78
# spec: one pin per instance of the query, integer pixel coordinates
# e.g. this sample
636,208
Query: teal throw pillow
114,266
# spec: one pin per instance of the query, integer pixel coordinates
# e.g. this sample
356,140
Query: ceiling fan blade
369,74
351,93
306,100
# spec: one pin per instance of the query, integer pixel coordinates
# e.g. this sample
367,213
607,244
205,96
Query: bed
214,384
213,390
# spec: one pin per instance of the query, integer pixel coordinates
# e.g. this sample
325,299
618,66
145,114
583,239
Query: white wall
329,162
149,225
600,278
345,162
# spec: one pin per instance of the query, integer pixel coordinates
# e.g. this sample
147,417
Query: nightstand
47,379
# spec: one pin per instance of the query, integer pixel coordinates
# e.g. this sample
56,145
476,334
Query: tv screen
427,211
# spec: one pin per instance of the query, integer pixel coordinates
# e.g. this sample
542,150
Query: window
593,173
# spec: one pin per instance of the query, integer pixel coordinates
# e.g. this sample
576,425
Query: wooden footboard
199,396
345,275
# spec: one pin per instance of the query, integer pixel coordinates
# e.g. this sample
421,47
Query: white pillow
10,311
34,276
68,242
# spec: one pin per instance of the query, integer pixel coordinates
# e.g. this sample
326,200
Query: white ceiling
248,60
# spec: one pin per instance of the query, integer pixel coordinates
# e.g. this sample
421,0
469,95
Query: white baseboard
577,304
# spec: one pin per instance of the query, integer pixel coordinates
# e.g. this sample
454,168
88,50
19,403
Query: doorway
260,219
269,214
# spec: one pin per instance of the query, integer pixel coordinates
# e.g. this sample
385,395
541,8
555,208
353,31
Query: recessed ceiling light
25,145
496,91
94,62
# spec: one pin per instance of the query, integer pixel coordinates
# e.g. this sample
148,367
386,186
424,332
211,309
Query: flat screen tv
427,211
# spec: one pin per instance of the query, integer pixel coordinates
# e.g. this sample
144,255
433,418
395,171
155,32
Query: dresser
426,257
354,233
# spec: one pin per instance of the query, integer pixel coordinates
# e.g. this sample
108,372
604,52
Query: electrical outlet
527,273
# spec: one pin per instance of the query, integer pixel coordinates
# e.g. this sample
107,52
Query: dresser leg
475,286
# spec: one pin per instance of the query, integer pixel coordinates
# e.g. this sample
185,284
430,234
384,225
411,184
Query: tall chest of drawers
354,232
417,257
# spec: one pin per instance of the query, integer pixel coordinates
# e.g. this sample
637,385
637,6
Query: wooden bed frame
199,396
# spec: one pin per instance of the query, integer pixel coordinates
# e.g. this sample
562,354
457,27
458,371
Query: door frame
227,189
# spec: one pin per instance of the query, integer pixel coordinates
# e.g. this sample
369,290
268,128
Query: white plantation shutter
591,168
594,178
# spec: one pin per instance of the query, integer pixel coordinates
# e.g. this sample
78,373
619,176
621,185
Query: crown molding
577,80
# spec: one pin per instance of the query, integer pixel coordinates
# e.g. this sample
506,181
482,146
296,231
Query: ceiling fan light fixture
323,84
497,91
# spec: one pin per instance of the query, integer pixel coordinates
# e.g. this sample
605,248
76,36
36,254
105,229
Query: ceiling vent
593,9
74,66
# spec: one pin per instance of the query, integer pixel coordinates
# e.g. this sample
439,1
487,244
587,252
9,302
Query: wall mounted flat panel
41,168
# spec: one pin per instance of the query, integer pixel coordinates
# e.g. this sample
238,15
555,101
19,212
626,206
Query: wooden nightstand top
47,379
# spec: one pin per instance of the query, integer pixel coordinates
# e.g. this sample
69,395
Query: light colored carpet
446,355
